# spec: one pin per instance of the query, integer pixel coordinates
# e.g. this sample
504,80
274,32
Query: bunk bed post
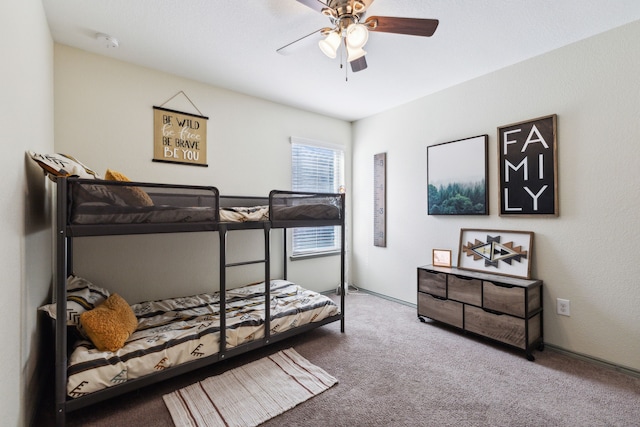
60,292
222,231
284,253
69,263
267,282
342,262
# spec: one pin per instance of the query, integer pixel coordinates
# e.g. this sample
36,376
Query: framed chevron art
503,252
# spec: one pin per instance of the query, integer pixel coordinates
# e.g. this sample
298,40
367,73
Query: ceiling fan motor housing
340,10
347,6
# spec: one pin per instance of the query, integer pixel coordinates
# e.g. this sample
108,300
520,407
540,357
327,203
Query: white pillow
63,165
82,296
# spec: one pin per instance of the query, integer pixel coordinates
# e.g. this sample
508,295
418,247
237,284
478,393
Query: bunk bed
182,334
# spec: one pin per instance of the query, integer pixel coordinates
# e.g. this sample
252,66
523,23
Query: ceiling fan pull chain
343,55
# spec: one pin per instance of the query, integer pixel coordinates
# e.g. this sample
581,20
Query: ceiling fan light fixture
329,46
355,53
357,35
349,26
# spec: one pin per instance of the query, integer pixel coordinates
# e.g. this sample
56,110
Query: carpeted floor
393,370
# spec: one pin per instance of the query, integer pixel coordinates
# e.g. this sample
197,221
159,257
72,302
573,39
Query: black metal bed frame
66,232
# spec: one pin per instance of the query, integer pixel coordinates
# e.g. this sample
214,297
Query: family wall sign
528,163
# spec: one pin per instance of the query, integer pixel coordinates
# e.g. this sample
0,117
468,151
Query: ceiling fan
351,29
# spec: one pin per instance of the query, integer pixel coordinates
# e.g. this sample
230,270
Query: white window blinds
316,167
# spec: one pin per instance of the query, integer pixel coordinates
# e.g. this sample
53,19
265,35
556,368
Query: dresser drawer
432,282
464,289
505,299
446,311
501,327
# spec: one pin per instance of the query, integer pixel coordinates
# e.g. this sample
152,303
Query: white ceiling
232,44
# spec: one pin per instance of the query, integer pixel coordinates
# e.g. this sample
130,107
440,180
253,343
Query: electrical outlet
564,307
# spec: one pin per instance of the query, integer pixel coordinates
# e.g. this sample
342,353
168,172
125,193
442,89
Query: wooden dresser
504,309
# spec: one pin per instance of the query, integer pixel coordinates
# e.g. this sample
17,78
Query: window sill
300,257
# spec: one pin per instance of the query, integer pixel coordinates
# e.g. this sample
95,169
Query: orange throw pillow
110,324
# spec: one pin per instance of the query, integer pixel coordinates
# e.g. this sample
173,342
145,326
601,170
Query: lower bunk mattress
175,331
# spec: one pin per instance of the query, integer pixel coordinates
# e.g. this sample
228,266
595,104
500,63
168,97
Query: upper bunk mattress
174,331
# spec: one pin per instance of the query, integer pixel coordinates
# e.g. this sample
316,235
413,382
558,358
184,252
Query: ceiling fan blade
316,5
408,26
358,64
288,48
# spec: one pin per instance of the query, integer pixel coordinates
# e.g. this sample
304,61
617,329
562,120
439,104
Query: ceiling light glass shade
355,53
329,46
357,35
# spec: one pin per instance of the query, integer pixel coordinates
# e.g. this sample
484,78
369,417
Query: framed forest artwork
457,177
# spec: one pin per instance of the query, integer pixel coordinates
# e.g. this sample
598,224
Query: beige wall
26,120
104,117
588,254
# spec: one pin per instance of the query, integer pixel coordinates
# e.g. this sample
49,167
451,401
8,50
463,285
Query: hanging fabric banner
179,137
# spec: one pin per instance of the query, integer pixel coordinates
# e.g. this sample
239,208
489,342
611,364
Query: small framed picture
441,258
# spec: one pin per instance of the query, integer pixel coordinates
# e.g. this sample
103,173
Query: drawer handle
433,273
502,285
463,278
437,297
497,313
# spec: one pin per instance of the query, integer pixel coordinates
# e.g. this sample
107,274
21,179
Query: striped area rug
249,395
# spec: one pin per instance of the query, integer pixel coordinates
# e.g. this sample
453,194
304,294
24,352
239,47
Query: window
316,167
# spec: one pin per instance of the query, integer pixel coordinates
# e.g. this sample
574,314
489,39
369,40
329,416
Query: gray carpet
394,370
